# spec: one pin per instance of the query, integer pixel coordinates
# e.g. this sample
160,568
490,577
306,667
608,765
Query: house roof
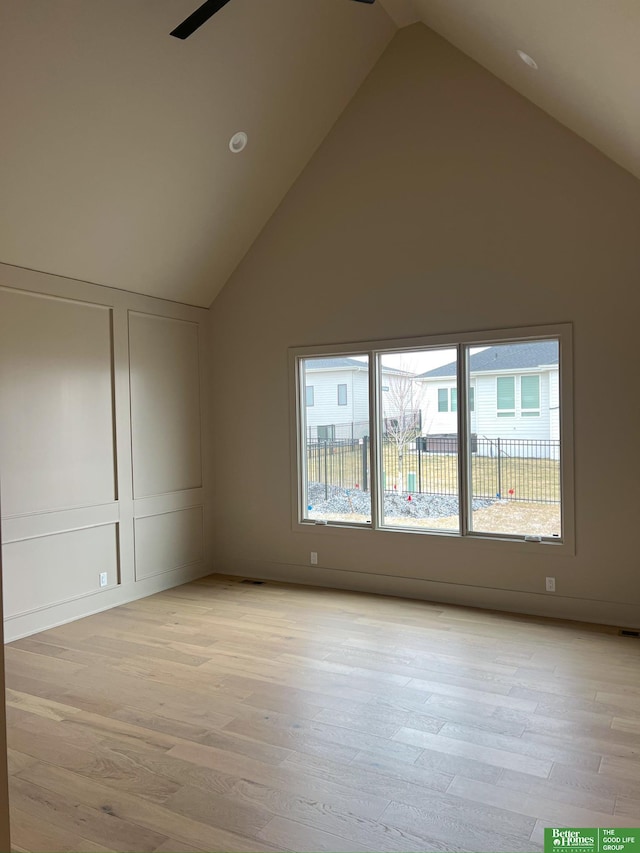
504,357
342,362
334,362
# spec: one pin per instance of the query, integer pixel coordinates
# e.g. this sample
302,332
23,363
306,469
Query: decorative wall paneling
103,409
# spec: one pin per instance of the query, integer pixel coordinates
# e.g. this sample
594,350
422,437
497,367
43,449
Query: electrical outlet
551,585
314,558
104,580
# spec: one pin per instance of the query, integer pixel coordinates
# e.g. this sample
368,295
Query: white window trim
465,539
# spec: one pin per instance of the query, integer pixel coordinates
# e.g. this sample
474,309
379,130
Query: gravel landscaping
436,511
397,505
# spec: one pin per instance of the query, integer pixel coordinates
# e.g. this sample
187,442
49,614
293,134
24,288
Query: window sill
508,544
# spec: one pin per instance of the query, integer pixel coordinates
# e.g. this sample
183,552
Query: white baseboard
544,604
555,606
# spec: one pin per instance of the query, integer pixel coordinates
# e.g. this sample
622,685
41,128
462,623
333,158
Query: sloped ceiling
114,160
588,56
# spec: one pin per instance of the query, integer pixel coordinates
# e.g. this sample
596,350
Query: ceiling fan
203,13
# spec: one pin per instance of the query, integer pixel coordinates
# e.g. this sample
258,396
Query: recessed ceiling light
238,142
528,60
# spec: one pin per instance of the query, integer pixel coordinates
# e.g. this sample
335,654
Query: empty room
319,425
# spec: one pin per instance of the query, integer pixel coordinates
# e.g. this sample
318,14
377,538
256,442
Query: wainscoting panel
20,527
168,541
32,579
165,405
101,393
56,387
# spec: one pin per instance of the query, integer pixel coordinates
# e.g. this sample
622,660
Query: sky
419,361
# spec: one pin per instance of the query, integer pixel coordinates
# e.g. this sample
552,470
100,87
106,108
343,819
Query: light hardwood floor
230,716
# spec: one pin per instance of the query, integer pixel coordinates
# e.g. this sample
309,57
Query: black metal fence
342,462
509,469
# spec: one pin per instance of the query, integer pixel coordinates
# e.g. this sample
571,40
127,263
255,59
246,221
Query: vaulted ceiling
588,56
115,166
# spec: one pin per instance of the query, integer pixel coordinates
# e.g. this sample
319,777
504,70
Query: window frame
330,430
465,538
346,393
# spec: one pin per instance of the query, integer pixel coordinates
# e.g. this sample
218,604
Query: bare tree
401,412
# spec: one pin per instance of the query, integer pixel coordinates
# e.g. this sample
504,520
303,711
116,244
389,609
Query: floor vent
625,632
255,583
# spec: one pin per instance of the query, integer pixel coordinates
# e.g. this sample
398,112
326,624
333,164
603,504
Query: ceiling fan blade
206,11
202,14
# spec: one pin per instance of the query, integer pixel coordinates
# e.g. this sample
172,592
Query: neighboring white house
337,397
513,395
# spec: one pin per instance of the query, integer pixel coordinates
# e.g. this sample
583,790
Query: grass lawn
517,517
503,517
519,479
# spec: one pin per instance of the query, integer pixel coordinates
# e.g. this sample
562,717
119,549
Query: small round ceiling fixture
238,142
528,60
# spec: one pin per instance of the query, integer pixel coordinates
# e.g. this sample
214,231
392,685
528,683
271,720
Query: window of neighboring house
506,388
342,395
447,399
392,469
327,432
530,396
308,395
529,403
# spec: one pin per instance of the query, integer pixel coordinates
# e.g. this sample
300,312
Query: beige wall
101,451
440,202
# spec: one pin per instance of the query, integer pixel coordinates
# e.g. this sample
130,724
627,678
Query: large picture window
460,435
